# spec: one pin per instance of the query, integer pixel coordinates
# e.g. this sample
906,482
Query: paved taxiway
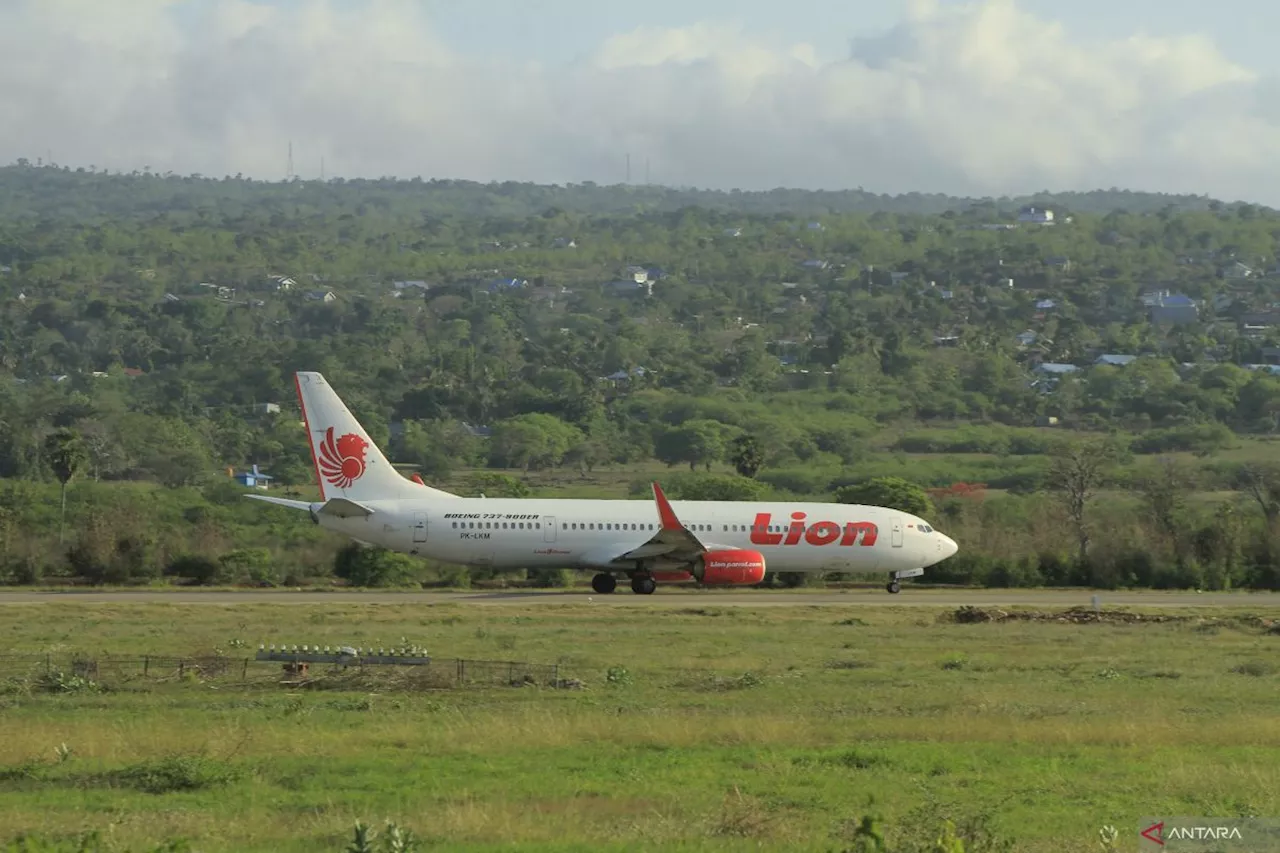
664,598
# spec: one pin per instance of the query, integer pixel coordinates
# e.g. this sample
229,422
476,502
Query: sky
970,97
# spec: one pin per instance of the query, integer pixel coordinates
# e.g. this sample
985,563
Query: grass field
726,728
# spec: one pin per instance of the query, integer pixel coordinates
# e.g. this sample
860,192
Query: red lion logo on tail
342,461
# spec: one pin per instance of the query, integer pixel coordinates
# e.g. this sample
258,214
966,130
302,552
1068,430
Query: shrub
373,567
175,773
196,568
800,481
714,487
893,492
247,564
551,578
1202,438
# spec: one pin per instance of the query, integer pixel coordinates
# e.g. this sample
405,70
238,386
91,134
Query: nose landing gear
894,586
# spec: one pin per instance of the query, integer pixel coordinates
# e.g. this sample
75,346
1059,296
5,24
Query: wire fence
70,672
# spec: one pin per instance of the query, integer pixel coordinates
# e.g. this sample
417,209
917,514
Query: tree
533,440
746,456
892,492
67,455
697,442
1262,483
1075,473
1165,494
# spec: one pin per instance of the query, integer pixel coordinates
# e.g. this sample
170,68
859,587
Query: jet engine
730,567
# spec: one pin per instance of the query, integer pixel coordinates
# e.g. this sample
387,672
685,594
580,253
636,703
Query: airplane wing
340,507
281,501
672,541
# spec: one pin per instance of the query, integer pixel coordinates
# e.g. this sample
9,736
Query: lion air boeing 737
711,542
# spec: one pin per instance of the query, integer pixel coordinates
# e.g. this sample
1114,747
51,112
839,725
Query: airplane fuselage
557,533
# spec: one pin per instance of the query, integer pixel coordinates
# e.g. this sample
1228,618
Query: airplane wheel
604,583
894,587
643,586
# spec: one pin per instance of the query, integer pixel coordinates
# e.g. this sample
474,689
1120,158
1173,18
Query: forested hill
585,336
85,194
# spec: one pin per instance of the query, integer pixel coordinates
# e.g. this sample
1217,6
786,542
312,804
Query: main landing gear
894,587
641,584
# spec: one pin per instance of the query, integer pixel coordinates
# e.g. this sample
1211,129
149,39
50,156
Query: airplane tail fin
348,464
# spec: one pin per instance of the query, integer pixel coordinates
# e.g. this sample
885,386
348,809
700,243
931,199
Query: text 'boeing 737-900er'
710,542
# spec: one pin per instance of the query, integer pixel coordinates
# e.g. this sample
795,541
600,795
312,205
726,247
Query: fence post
146,665
244,671
460,670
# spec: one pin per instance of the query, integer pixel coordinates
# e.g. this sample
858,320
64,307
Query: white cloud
982,98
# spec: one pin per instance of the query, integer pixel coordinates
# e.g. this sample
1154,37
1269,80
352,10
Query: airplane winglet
666,514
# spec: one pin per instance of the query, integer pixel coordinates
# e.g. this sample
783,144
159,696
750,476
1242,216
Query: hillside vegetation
1037,379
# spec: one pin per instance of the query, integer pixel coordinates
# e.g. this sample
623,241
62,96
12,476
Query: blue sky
977,97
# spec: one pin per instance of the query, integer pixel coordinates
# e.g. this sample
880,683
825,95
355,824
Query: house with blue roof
1171,309
253,479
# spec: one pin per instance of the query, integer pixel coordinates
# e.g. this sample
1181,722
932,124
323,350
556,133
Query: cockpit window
926,528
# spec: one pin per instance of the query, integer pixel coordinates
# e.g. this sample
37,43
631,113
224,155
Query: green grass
737,728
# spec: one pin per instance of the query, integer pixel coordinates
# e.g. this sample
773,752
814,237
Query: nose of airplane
947,546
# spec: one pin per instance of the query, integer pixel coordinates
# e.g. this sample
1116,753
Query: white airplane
711,542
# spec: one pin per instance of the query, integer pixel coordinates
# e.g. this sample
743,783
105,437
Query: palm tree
67,455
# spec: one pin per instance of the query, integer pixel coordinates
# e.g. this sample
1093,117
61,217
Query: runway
661,599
